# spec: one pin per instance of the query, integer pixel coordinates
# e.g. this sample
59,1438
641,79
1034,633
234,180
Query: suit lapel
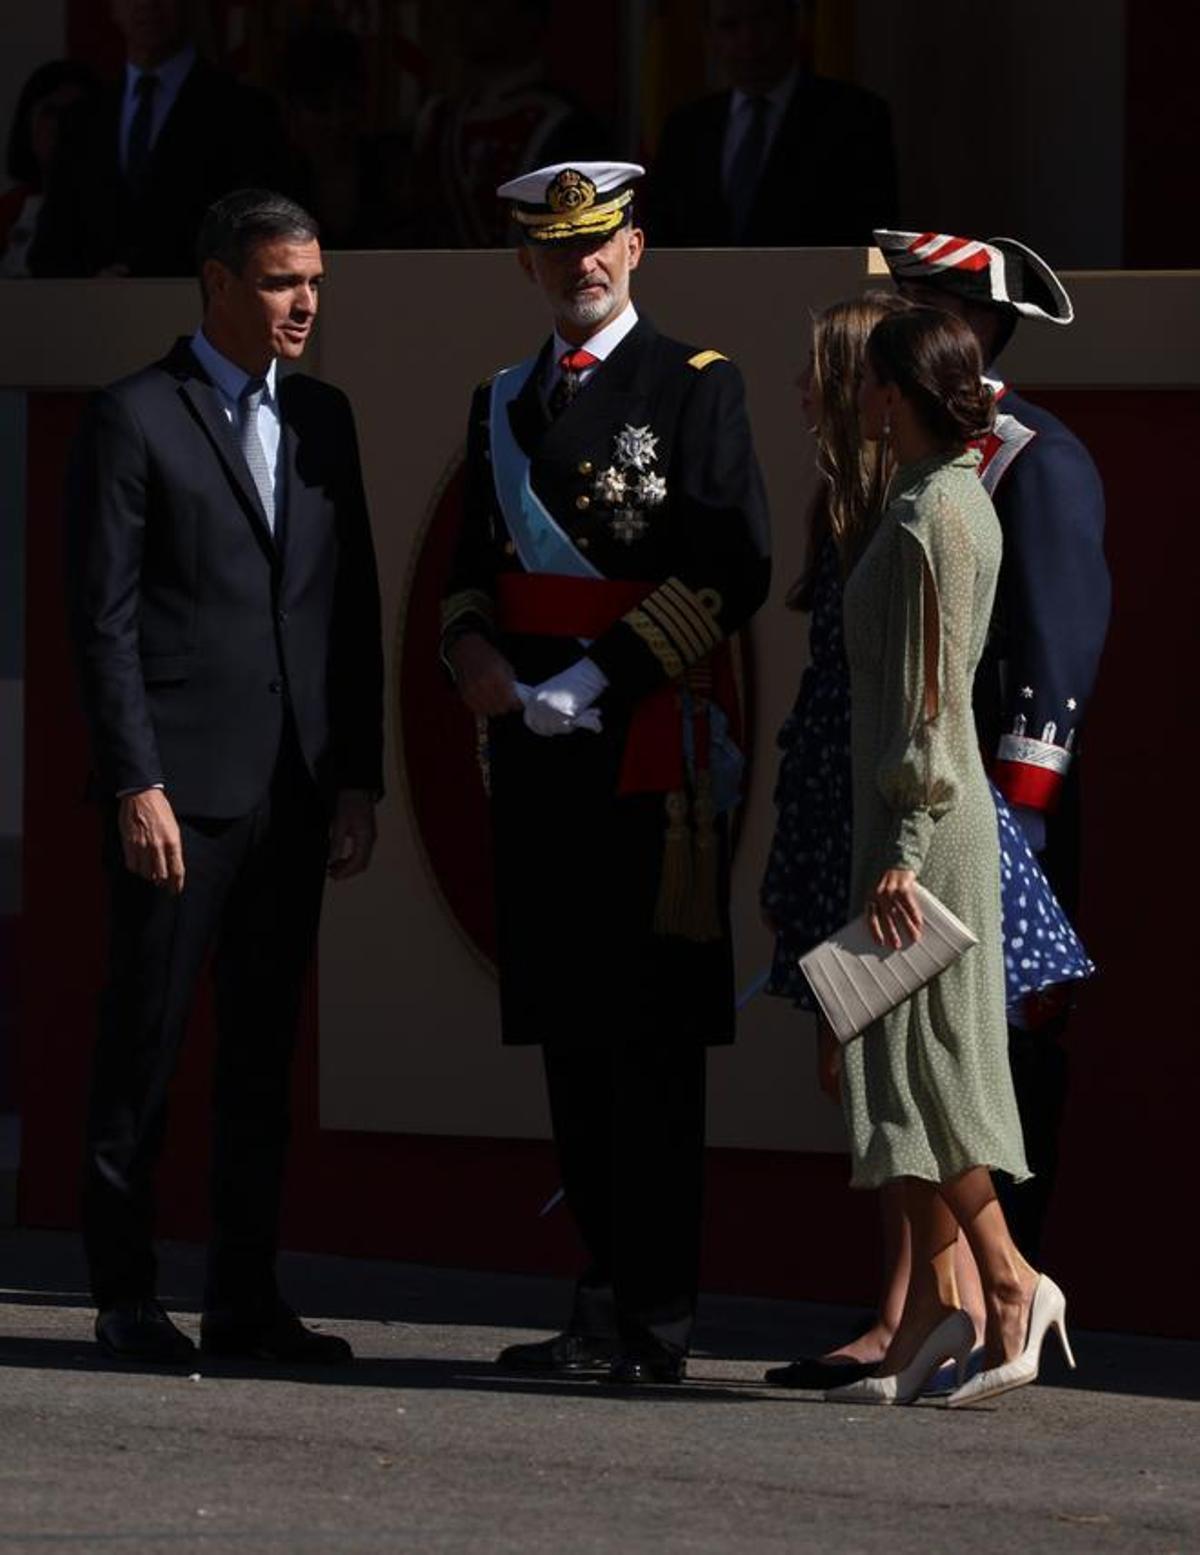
709,157
206,407
526,414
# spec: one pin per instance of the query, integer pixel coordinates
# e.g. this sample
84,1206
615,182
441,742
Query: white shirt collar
171,73
779,96
229,378
605,341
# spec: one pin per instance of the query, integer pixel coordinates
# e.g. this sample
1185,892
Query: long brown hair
853,473
933,358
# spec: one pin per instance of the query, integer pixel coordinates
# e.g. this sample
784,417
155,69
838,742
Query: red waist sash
550,605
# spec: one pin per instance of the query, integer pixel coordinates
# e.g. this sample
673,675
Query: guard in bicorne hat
1051,617
614,539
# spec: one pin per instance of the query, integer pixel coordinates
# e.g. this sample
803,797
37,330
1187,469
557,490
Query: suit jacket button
275,687
585,467
281,616
582,542
583,502
509,548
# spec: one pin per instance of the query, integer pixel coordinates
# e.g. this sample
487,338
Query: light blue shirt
229,380
172,73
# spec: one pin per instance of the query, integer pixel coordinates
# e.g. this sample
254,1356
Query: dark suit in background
241,669
218,136
830,167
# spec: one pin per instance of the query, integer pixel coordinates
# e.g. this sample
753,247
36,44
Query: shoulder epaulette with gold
703,359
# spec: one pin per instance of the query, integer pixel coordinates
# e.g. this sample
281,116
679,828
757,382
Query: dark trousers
252,895
1039,1070
629,1129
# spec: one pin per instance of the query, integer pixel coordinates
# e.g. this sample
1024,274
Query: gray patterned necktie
252,448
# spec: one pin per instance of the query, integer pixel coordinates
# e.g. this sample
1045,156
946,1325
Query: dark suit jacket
195,629
218,136
829,178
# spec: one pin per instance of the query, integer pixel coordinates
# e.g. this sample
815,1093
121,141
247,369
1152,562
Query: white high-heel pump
954,1336
1048,1310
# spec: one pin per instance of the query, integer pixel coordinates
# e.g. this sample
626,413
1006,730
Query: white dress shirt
602,344
172,73
741,112
229,380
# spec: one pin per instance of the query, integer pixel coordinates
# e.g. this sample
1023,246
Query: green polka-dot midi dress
927,1090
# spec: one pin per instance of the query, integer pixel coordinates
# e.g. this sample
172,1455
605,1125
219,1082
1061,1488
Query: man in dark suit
614,537
135,171
784,159
226,617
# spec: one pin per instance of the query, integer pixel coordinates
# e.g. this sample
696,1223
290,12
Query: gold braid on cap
573,211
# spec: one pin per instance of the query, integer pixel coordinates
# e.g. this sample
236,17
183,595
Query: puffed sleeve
928,621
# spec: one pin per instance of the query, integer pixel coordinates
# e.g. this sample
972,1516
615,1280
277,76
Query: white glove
563,703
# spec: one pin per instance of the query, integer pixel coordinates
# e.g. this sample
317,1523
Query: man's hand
150,838
484,677
351,833
893,909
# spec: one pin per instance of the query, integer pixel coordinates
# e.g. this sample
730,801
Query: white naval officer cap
999,271
569,201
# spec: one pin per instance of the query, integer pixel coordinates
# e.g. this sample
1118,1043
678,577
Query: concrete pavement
422,1446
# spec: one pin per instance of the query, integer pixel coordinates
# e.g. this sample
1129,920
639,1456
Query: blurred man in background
135,172
782,158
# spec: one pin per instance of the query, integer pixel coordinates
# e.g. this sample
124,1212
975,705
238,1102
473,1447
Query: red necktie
570,365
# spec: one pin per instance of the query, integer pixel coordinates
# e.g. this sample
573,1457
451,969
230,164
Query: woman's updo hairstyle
933,359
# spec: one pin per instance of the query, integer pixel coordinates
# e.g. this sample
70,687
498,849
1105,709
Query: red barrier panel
779,1224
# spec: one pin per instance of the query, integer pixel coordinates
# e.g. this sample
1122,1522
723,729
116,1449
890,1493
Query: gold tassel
703,919
675,887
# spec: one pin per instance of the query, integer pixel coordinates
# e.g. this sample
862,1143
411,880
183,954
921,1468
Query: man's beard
592,310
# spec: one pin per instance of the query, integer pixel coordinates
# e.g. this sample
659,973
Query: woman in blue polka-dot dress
806,884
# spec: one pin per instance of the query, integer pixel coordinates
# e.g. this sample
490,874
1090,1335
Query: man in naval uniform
1051,617
614,538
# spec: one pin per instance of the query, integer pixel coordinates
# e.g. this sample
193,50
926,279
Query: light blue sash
540,543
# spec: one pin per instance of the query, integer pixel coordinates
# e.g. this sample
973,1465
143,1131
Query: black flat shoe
820,1375
141,1331
566,1355
281,1338
635,1371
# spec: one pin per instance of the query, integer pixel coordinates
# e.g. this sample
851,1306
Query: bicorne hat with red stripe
1000,272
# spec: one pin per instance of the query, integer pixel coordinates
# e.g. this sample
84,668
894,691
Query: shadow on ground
45,1270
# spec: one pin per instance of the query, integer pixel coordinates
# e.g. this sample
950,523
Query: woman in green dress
927,1091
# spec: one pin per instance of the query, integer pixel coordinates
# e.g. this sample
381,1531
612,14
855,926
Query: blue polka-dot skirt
1041,949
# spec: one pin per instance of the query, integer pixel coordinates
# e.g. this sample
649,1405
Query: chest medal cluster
629,487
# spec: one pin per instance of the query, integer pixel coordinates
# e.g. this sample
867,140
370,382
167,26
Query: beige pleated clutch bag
857,981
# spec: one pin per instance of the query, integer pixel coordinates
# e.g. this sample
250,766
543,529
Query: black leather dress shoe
141,1331
281,1337
633,1371
566,1355
820,1375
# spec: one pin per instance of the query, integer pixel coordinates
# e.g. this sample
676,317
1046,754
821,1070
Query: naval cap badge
570,190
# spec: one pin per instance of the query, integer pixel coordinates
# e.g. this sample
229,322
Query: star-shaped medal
628,525
610,485
651,490
636,447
